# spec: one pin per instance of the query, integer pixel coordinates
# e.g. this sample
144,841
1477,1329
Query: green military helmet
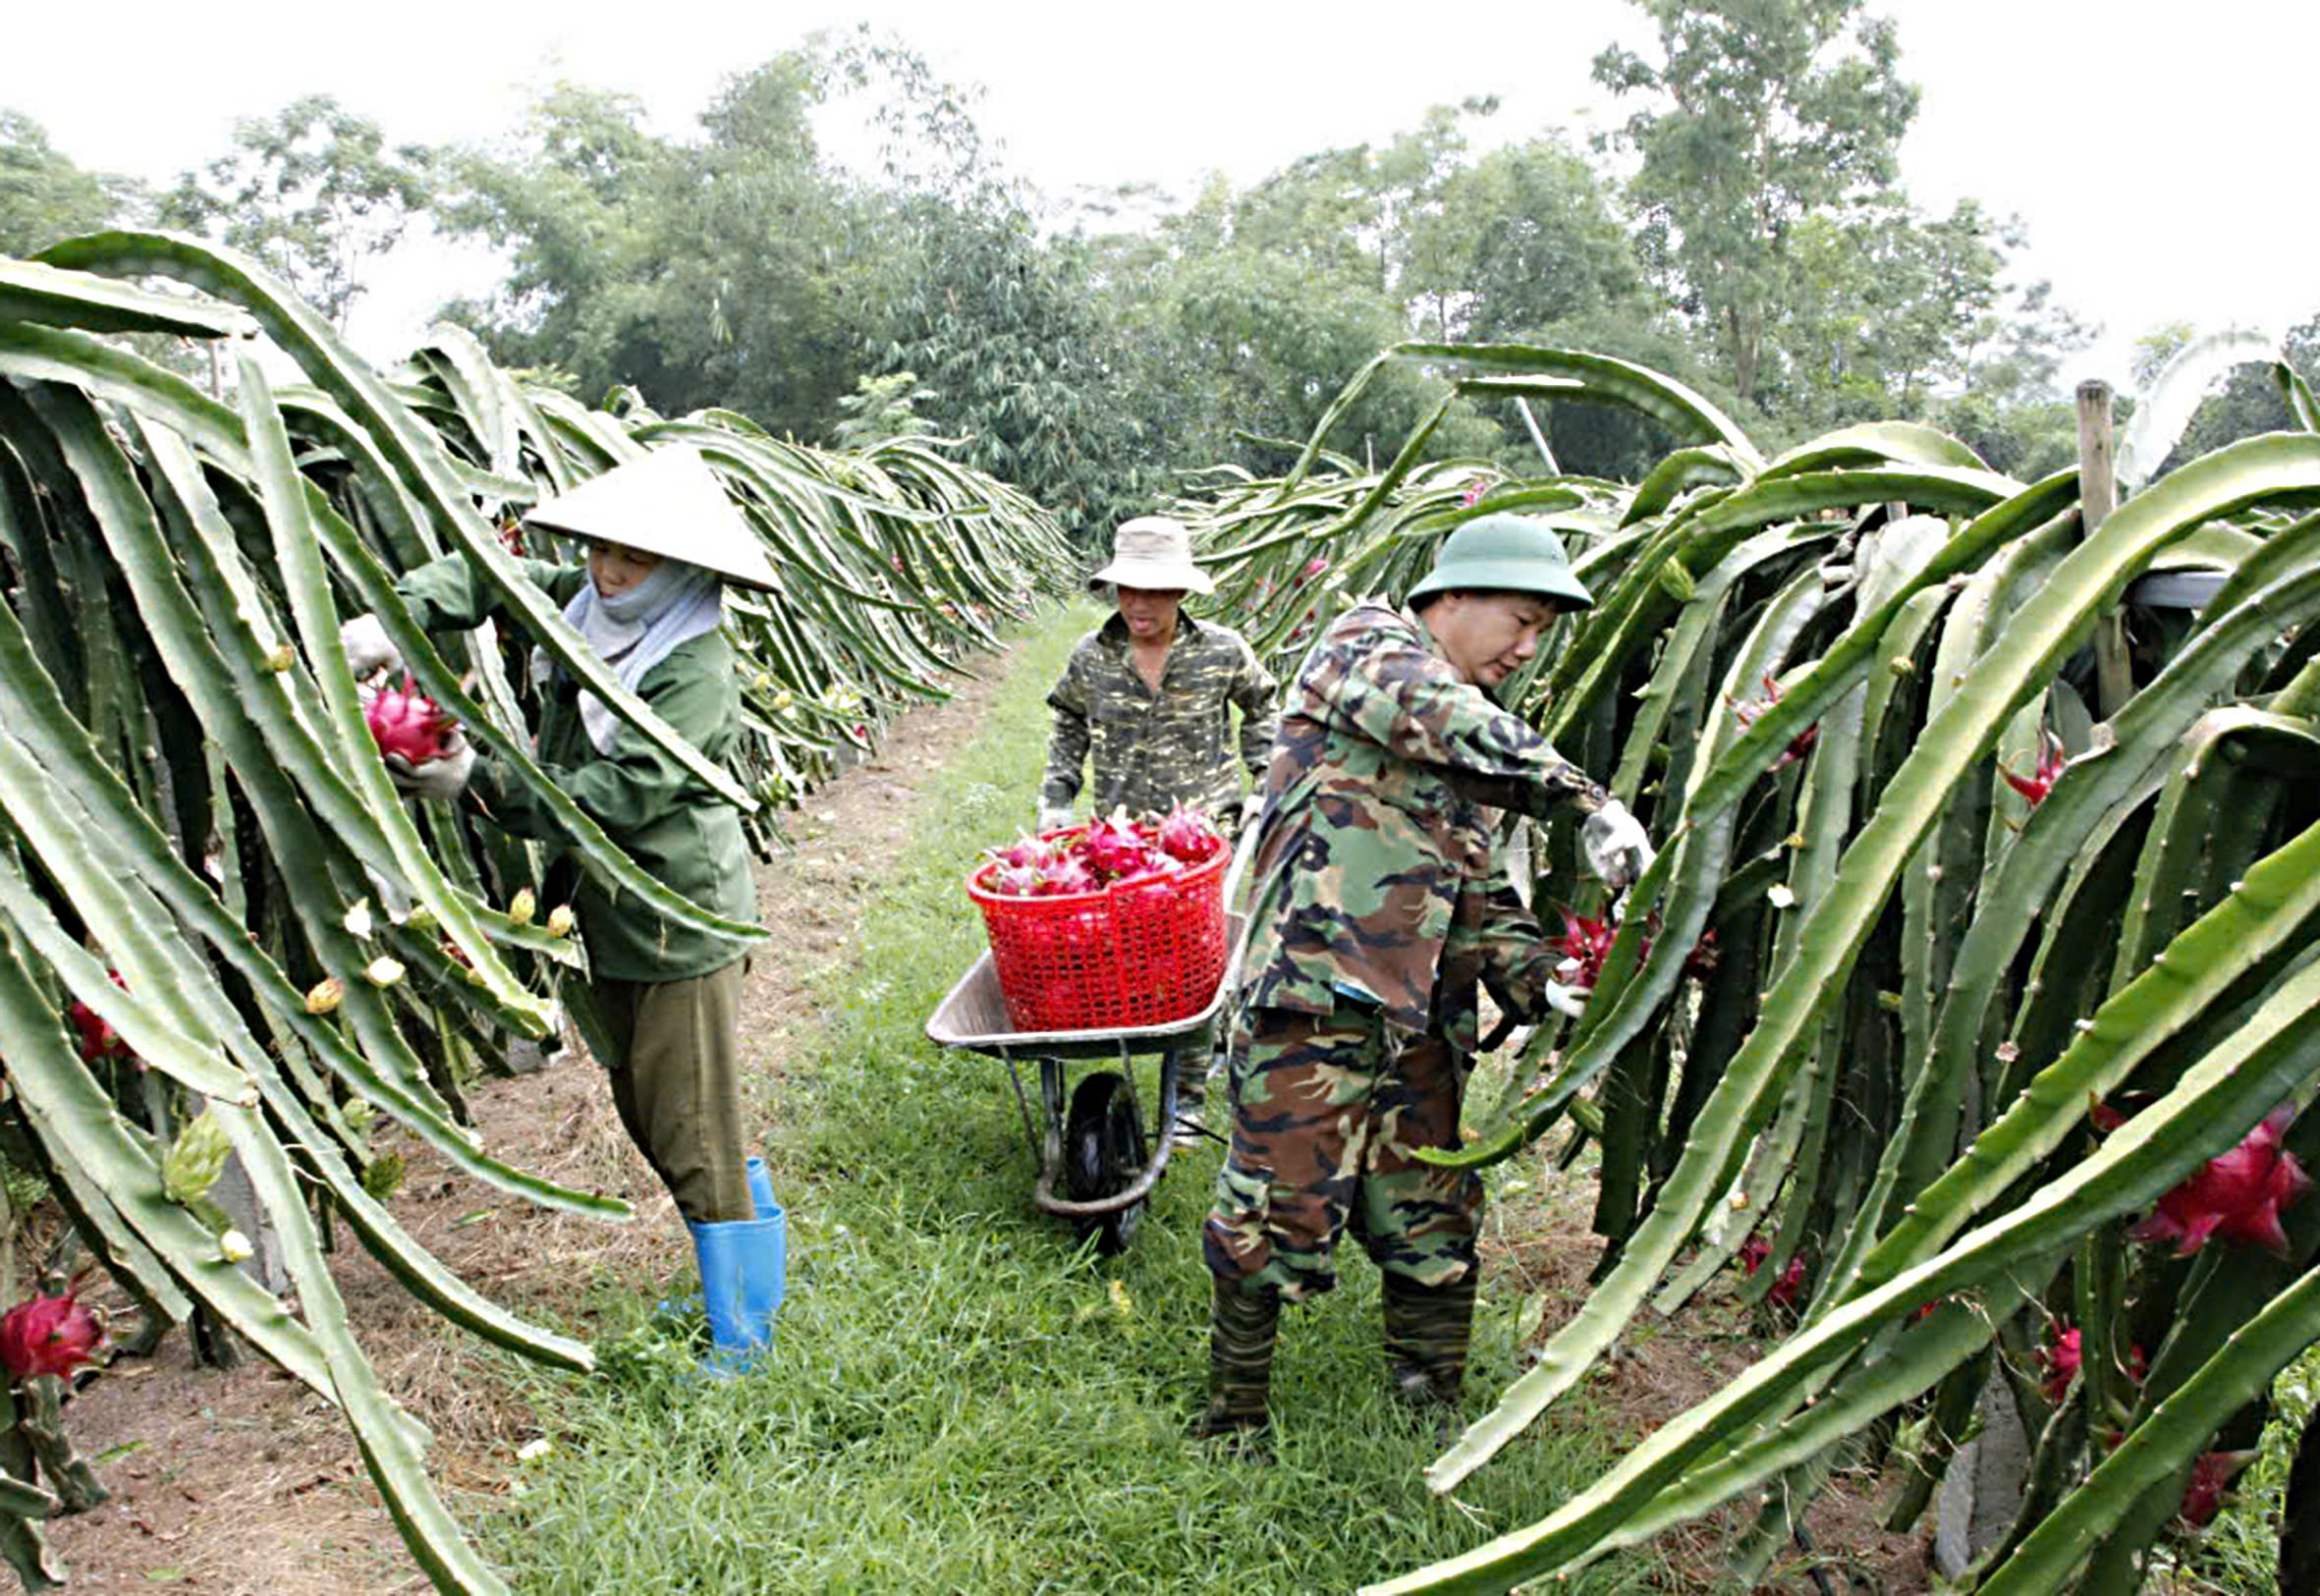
1506,553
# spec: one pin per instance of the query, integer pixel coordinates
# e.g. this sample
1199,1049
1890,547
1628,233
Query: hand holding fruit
368,647
445,776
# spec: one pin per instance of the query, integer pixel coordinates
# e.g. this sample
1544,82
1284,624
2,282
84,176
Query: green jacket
1378,877
1153,752
683,835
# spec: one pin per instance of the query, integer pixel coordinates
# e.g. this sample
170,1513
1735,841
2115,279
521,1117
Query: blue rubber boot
761,1197
745,1266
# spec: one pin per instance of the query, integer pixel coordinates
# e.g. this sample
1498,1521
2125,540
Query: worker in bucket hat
1146,705
1148,698
662,540
1381,905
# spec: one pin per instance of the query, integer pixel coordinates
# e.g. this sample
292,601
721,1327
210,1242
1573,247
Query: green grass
960,1397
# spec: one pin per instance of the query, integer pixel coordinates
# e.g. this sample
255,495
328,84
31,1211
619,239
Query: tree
1766,113
45,196
313,191
1526,240
726,272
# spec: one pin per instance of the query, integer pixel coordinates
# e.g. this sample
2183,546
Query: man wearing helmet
1380,906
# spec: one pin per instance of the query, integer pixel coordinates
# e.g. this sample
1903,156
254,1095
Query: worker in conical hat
663,540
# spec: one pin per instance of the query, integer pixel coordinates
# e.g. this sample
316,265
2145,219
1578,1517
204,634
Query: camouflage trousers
1328,1111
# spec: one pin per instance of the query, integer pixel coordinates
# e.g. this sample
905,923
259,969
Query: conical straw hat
669,504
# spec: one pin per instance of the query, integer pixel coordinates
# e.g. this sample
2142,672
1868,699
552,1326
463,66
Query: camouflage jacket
1377,875
1155,751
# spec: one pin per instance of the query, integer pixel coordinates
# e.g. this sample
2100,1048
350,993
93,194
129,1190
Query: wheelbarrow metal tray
975,1016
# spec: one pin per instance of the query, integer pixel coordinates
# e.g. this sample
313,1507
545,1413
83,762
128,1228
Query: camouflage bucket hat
1153,552
1504,553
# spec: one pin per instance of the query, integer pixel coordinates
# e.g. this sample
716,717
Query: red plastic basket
1133,954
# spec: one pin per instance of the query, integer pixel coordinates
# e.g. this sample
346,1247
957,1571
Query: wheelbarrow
1089,1140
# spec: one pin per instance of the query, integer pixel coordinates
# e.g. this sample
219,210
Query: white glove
1569,1001
1616,850
444,777
1053,817
368,647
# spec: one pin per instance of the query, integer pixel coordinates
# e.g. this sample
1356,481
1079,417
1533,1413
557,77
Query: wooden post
2098,496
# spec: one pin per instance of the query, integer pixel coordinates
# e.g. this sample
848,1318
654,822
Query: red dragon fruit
1015,880
2238,1197
2061,1363
1024,851
1062,875
49,1335
1113,848
1752,1253
1798,745
98,1039
406,722
2051,759
1188,834
1585,943
2211,1475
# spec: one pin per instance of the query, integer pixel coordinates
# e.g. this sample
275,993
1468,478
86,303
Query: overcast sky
2161,166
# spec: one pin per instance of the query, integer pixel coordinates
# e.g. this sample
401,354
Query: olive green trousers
676,1084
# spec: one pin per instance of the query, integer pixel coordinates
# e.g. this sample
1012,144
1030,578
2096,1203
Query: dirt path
246,1482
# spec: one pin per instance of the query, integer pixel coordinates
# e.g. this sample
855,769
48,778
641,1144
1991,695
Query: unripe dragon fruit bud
325,995
560,920
282,659
383,971
522,907
234,1247
196,1159
49,1335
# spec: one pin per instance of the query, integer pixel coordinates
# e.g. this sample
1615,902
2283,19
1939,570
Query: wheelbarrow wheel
1103,1152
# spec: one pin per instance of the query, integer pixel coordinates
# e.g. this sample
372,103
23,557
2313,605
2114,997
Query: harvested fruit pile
1109,925
1101,854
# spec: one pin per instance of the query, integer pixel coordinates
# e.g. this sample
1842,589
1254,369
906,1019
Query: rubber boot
744,1267
1427,1331
1243,1328
760,1198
